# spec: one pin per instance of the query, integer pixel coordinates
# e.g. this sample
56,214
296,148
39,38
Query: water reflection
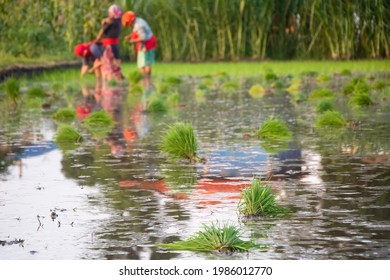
122,196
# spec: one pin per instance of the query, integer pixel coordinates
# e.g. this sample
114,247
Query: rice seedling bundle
64,115
229,87
136,89
99,123
173,80
273,128
179,141
156,103
134,77
256,91
325,105
68,134
36,93
174,98
357,85
12,88
361,99
258,200
321,93
270,76
214,238
379,85
330,118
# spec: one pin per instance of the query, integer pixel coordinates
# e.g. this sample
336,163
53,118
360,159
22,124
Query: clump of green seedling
12,89
173,80
173,98
257,200
330,119
357,85
323,78
361,99
136,89
321,93
64,115
256,91
325,105
346,72
229,87
156,103
68,134
273,128
180,142
36,93
379,85
134,77
270,76
225,239
99,123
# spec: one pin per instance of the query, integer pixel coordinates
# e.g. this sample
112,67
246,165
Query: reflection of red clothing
83,111
205,192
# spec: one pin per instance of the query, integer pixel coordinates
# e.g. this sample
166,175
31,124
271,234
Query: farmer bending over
145,42
90,52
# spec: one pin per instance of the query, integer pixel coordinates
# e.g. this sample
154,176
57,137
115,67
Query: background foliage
197,30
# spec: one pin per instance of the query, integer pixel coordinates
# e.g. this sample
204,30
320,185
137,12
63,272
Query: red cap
128,18
79,49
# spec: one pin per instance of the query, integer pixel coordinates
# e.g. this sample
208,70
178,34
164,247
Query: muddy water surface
116,197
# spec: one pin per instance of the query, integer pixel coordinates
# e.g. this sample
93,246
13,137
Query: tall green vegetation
196,30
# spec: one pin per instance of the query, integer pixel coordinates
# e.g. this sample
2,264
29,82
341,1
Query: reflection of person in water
90,102
112,102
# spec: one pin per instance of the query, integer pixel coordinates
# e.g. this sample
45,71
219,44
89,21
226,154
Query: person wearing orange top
145,44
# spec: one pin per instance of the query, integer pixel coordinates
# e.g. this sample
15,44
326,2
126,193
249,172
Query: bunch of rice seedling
174,98
270,76
294,86
355,86
207,83
346,72
320,93
361,99
200,95
311,74
258,200
99,123
273,128
12,88
323,78
257,91
136,89
330,118
64,115
67,134
214,238
163,87
173,80
379,85
134,77
179,141
325,105
229,87
156,103
36,93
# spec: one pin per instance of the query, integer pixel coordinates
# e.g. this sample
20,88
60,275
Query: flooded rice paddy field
117,196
